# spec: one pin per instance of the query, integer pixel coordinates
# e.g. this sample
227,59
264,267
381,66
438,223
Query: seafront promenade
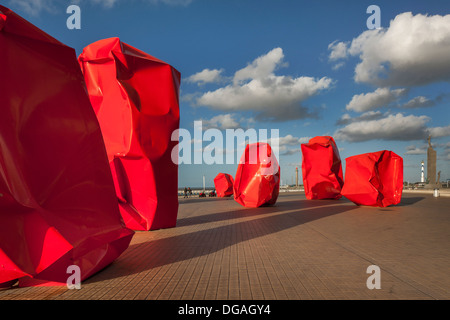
297,249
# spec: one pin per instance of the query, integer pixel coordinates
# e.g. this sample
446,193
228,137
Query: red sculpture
223,183
321,169
135,97
57,201
257,180
374,179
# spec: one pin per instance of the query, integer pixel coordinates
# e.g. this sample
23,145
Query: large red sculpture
135,98
223,183
257,180
57,201
321,169
374,179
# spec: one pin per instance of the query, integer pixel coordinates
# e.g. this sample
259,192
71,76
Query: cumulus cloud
392,127
367,116
271,97
381,97
33,7
418,102
106,3
288,144
221,121
289,140
339,50
289,152
439,132
413,150
206,76
412,51
424,102
262,67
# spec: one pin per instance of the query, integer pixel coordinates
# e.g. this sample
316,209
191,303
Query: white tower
422,177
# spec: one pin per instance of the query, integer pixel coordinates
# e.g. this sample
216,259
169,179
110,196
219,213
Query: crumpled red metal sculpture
57,201
321,169
257,180
374,179
223,183
135,97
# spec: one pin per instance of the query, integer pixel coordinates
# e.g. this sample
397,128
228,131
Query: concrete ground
298,249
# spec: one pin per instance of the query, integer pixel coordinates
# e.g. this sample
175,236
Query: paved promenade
297,249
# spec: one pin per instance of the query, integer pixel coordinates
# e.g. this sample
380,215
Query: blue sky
306,68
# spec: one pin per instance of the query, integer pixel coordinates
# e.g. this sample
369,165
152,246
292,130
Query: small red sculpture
257,180
223,183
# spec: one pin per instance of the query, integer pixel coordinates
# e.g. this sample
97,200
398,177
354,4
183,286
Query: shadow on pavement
148,255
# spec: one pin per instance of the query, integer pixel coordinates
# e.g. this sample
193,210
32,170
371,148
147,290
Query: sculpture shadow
196,198
409,201
144,256
247,212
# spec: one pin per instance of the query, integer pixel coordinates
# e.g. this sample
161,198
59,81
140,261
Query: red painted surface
135,97
374,179
57,201
257,180
322,169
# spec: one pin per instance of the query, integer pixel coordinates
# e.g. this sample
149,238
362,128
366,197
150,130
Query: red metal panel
322,169
257,180
57,202
223,183
135,97
374,179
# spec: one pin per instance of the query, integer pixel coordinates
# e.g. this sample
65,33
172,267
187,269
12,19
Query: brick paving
297,249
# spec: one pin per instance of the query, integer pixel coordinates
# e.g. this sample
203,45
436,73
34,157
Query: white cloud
418,102
288,144
290,140
367,116
262,67
221,121
206,76
392,127
337,66
413,50
338,50
439,132
381,97
289,152
271,97
33,7
413,150
106,3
